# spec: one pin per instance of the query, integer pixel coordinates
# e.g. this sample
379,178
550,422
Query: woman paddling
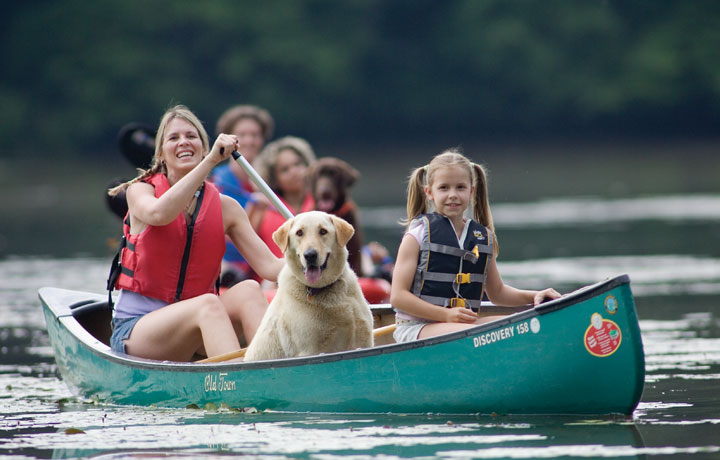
175,229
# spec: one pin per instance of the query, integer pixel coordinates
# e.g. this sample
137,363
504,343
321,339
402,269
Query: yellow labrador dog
319,306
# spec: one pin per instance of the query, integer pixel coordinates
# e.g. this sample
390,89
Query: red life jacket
179,260
272,220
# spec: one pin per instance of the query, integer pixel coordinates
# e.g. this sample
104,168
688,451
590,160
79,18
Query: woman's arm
500,293
403,299
255,251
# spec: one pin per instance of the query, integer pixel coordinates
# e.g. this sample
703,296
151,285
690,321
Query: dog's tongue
313,274
325,205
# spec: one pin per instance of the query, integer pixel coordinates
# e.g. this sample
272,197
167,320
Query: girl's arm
255,251
403,299
150,210
500,293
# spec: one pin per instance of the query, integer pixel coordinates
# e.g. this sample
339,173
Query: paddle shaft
262,185
241,352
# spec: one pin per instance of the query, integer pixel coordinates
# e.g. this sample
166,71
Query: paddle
262,185
241,352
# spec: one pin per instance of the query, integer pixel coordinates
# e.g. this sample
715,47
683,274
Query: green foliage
348,71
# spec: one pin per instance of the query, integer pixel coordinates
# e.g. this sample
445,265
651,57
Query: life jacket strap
458,278
115,269
453,302
471,256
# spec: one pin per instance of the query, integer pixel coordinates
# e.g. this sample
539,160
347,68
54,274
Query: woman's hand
460,315
224,145
546,294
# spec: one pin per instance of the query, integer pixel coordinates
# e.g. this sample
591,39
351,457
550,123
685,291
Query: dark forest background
360,71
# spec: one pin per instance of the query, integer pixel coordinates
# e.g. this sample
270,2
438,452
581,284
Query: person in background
136,142
283,165
253,126
446,261
168,307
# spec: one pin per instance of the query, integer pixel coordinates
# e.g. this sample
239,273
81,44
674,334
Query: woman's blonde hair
264,164
423,176
157,165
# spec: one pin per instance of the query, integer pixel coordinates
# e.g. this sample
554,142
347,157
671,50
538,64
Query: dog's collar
313,291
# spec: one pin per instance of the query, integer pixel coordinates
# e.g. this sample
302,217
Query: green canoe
581,354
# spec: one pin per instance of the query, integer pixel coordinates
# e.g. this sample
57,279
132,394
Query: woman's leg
177,331
246,304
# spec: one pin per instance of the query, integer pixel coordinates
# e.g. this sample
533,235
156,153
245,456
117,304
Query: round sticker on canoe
535,325
611,304
602,337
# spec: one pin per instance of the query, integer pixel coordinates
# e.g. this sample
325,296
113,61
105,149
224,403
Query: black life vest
449,275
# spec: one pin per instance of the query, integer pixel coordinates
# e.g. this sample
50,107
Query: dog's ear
280,236
350,175
343,230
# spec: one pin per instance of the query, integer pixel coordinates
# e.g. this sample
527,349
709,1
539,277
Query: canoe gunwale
63,314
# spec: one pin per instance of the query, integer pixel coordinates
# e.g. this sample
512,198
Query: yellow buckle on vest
456,302
462,278
476,251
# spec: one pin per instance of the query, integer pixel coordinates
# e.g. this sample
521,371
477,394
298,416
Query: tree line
360,71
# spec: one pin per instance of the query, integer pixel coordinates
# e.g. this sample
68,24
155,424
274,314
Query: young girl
446,261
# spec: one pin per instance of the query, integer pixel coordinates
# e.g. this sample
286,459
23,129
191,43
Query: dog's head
314,247
330,178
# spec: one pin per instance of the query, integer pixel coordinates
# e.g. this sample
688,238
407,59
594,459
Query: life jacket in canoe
179,260
447,274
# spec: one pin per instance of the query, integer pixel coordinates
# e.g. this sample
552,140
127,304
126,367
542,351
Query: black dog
329,179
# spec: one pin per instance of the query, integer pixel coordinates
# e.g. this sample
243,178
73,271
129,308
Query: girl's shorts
407,330
121,329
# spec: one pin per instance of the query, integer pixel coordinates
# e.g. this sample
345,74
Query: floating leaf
73,431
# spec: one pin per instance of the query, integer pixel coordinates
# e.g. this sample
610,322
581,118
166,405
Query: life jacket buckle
476,251
462,278
457,302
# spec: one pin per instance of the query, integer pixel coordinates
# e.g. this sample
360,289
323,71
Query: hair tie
425,168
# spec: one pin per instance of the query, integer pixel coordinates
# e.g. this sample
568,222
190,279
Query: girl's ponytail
416,195
481,202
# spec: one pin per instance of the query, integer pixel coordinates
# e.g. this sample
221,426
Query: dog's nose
311,256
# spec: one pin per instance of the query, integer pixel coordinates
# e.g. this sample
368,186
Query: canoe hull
580,355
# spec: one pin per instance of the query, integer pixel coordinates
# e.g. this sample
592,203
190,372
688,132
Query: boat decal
602,337
535,325
611,304
507,332
218,382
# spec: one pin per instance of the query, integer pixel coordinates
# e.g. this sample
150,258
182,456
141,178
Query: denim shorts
407,330
121,329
